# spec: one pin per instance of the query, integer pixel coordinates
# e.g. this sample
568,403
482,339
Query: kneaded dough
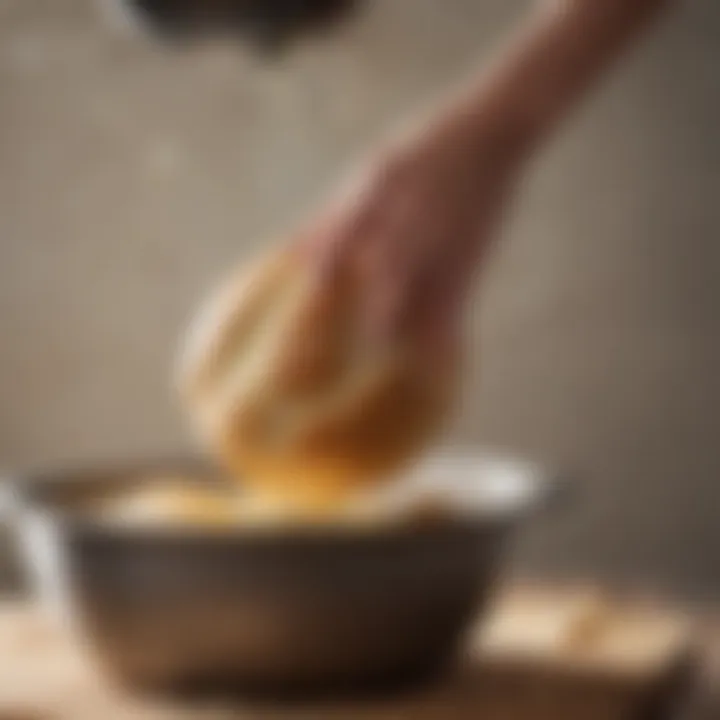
291,395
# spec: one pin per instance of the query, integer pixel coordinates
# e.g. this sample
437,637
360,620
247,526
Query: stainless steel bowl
297,609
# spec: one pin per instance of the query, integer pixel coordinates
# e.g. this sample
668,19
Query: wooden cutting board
543,654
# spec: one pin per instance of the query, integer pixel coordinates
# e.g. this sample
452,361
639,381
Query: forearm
542,73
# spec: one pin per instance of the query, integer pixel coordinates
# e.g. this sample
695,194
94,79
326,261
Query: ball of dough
293,396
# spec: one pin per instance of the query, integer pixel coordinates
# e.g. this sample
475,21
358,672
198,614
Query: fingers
401,241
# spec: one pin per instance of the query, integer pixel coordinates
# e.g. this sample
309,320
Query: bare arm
418,224
541,73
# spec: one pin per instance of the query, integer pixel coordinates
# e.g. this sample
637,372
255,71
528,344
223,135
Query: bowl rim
31,493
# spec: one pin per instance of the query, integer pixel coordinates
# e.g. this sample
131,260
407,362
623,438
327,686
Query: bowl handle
38,553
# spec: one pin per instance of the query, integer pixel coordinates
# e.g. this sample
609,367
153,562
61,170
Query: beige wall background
130,176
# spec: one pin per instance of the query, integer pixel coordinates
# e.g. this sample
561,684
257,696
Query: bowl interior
468,487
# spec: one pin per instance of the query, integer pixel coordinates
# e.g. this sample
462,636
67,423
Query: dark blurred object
269,24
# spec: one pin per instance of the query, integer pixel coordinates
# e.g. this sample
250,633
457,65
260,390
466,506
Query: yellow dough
290,394
170,501
175,502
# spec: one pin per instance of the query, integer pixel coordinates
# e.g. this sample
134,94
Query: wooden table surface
45,675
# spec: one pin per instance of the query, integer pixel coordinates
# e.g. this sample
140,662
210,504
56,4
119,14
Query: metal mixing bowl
313,609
